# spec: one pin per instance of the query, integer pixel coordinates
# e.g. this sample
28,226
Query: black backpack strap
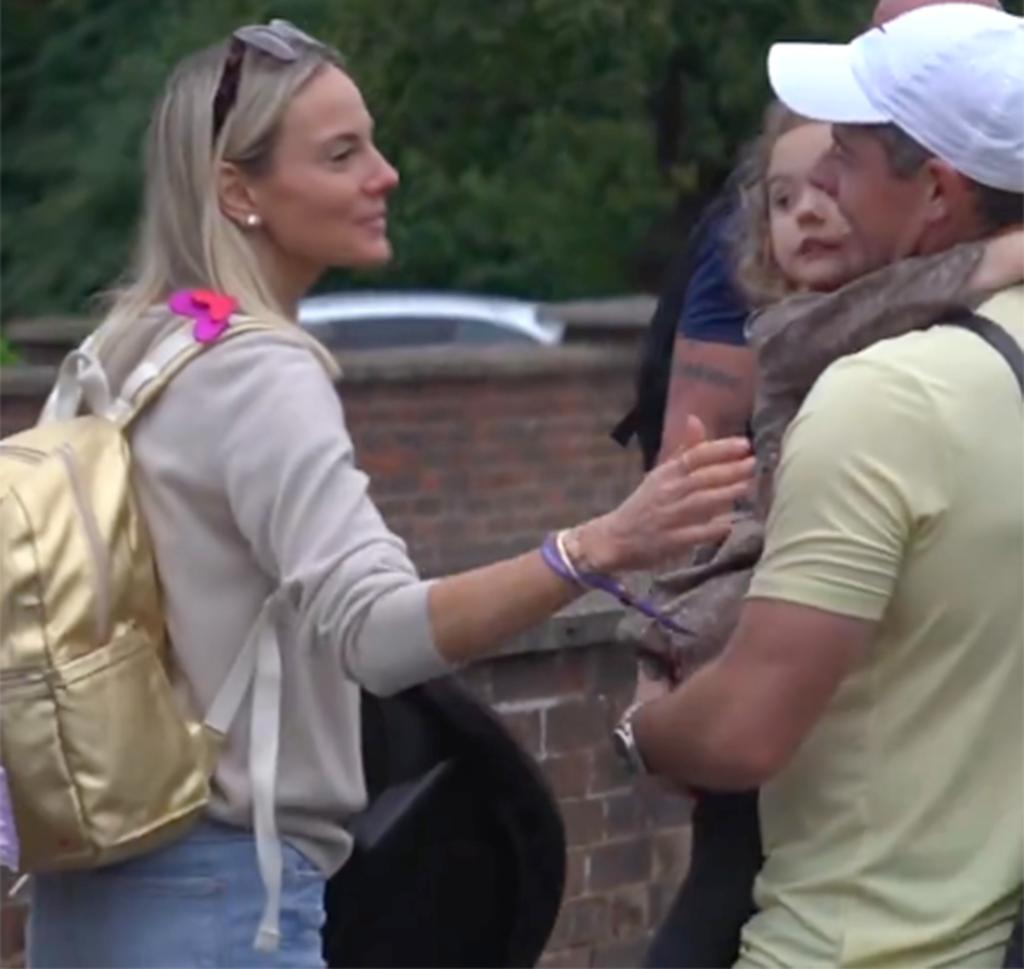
645,419
1008,348
997,338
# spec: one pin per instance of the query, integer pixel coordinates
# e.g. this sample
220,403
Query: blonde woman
261,172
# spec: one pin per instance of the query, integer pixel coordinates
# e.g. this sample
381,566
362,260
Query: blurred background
549,149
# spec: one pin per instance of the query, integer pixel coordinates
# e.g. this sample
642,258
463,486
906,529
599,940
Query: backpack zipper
97,550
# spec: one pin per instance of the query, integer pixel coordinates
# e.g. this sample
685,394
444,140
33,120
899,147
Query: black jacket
460,858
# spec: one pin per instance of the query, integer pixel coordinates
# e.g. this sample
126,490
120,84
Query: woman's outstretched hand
685,501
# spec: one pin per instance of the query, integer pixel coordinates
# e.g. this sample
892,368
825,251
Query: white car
376,320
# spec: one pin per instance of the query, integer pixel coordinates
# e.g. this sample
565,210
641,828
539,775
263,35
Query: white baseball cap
950,75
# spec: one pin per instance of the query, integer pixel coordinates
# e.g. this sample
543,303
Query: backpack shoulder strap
997,338
79,377
81,374
160,366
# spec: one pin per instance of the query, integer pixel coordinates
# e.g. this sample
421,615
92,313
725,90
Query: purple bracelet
8,832
555,561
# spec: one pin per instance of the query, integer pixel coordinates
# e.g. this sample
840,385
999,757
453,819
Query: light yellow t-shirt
895,837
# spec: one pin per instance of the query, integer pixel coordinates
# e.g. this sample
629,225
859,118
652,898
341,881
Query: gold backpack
101,761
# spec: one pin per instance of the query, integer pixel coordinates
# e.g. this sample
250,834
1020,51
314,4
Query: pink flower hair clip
211,311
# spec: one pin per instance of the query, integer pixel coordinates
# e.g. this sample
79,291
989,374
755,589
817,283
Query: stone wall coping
26,380
474,363
590,621
609,312
407,365
54,328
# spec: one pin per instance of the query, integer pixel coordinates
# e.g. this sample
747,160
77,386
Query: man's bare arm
737,721
712,381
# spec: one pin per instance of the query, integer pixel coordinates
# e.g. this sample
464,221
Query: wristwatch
624,742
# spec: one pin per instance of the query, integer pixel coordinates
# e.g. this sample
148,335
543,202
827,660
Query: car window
477,332
372,334
411,331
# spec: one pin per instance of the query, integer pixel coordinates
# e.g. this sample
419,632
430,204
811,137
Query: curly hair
754,267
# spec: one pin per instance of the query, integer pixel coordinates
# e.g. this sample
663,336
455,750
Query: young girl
787,236
712,373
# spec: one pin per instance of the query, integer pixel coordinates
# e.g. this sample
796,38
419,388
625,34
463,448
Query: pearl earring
252,220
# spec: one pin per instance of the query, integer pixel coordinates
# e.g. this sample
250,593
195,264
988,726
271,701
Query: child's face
808,235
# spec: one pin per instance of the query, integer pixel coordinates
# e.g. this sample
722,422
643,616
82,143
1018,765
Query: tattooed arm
712,381
715,382
712,371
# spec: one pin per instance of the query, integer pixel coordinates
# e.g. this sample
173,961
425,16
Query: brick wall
474,455
628,840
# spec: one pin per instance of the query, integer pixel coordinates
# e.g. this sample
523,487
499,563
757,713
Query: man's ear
950,206
234,193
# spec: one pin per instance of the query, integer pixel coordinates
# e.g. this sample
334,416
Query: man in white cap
942,112
874,687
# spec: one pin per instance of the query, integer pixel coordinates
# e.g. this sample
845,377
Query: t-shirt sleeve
713,311
862,472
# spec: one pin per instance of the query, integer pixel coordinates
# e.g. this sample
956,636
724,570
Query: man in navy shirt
712,372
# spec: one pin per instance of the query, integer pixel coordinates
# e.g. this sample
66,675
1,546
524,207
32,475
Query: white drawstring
258,665
264,737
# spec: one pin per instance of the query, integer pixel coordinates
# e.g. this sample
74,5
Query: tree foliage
549,148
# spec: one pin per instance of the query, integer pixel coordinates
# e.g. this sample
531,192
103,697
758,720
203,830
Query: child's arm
1002,263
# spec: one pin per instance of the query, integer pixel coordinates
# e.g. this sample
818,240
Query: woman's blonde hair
755,270
185,240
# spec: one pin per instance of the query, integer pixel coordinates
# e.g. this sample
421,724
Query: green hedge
548,148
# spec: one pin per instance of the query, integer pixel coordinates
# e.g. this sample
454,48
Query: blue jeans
194,903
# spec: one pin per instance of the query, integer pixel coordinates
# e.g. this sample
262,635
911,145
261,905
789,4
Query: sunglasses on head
278,39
